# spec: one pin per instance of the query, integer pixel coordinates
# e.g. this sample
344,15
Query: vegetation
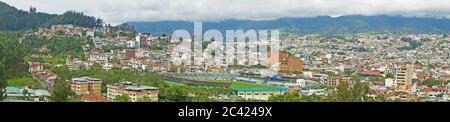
11,58
24,81
61,92
237,84
14,19
433,82
348,93
56,47
160,45
122,98
389,75
185,93
292,97
113,76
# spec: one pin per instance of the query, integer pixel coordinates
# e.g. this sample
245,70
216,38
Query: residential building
335,81
35,67
135,91
26,95
388,82
259,93
403,77
86,85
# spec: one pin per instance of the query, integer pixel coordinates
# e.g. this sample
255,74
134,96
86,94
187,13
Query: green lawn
243,84
54,60
24,81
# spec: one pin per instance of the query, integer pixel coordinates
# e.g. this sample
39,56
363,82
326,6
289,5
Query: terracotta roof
421,75
374,72
440,88
427,90
92,97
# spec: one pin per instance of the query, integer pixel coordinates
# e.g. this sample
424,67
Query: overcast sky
119,11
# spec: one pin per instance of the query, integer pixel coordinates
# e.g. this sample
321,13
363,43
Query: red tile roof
93,98
374,72
427,90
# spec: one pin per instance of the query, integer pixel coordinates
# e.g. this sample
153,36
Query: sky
120,11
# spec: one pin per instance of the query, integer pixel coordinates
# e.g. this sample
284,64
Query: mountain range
318,25
12,19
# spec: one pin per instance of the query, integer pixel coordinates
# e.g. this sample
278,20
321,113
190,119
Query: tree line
12,19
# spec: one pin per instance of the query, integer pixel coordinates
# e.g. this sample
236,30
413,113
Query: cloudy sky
119,11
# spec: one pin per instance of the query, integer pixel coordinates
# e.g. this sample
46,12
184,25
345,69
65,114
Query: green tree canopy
122,98
61,92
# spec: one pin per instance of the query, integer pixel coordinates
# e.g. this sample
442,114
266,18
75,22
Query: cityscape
74,57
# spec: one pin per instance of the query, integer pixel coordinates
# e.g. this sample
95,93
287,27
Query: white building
388,82
259,93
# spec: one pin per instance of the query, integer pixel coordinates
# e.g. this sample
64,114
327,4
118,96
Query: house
310,92
26,95
35,67
371,73
335,81
259,93
388,82
107,66
130,54
46,76
90,33
86,85
135,91
440,89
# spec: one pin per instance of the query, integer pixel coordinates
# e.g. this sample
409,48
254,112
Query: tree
25,93
389,75
293,97
145,99
347,93
122,98
61,92
433,82
14,19
11,59
3,84
32,9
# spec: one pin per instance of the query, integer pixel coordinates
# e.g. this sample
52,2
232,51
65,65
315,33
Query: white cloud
119,11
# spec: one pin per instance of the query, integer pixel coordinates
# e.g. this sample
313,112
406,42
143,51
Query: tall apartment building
86,85
403,76
135,91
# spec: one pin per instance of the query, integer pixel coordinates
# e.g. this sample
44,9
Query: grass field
24,81
243,84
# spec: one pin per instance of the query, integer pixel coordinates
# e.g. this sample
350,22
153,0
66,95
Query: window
249,93
256,93
241,93
264,93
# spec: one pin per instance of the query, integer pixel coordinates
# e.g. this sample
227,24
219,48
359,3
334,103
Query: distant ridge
12,19
320,24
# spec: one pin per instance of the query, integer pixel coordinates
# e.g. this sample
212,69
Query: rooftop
260,89
128,85
83,79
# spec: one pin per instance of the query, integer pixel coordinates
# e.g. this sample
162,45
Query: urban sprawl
118,65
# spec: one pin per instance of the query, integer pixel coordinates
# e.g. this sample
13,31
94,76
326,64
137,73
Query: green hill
13,19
